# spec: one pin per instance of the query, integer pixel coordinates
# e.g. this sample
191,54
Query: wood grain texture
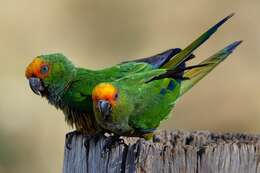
175,152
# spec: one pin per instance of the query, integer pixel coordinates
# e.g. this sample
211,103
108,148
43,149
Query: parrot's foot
156,139
96,137
112,141
69,138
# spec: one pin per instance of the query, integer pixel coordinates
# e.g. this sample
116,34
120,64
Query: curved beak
104,107
36,85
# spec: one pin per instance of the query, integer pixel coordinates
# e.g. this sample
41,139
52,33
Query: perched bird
69,88
136,104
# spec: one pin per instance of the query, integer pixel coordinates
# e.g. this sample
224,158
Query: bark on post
176,152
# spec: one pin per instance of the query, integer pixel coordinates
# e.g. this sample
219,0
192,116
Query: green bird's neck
58,85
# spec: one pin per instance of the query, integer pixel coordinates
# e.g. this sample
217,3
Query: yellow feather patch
104,91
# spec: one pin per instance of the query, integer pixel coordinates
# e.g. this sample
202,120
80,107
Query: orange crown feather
105,91
34,68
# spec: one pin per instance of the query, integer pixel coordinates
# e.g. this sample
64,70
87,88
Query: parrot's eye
44,69
116,95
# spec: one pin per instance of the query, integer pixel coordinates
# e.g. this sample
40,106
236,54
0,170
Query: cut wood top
174,151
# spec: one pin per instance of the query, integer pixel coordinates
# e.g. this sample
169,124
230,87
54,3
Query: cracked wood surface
173,152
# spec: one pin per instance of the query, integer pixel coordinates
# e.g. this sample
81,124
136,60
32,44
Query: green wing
153,101
148,102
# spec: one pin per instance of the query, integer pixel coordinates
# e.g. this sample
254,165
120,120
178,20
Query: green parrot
136,104
69,88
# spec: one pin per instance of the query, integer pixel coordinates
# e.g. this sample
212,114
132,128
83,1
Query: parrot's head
105,97
49,75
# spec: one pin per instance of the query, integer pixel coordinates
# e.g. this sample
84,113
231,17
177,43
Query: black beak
36,85
105,108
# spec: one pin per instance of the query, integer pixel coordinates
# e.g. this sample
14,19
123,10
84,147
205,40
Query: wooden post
175,152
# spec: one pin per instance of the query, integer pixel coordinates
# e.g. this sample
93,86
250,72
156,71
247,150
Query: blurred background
97,34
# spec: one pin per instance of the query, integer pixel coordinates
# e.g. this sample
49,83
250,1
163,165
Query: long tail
194,75
185,53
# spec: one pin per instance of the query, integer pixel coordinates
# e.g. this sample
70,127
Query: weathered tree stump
176,152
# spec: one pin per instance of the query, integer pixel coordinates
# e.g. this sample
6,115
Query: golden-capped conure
69,88
136,104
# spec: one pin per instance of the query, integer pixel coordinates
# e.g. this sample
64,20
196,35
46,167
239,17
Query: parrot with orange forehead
69,88
136,104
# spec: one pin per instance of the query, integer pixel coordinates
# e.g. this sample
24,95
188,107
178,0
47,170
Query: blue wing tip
224,20
229,16
230,48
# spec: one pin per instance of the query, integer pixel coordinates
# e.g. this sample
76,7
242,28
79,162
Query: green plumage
69,88
141,105
148,87
146,98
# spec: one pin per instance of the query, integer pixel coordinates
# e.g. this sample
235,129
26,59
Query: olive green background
97,34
